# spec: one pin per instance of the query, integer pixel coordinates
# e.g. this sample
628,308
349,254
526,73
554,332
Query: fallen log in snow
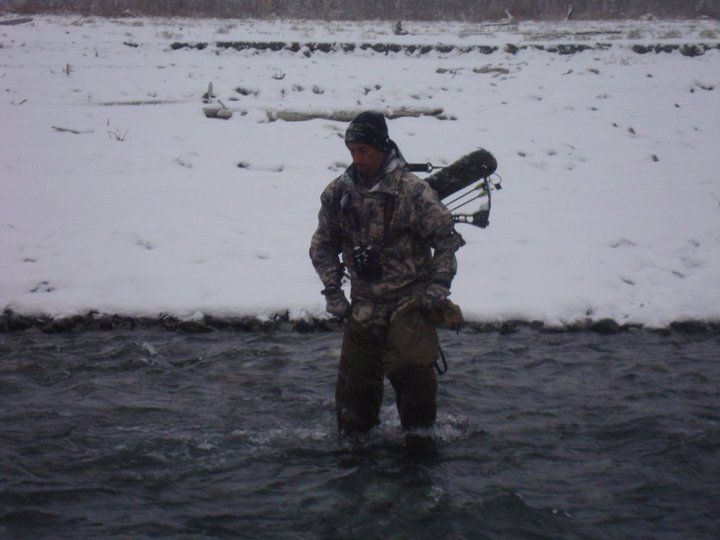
348,115
221,111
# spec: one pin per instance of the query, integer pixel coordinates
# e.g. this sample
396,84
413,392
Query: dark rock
13,322
487,49
194,327
577,326
605,327
571,49
690,326
305,326
65,324
692,50
217,324
507,328
104,322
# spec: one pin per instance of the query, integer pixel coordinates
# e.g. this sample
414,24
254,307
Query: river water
157,434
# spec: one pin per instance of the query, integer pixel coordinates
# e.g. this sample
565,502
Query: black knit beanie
368,127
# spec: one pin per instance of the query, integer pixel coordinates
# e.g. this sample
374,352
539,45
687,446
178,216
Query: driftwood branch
348,115
13,22
69,130
490,69
117,134
208,96
451,71
220,110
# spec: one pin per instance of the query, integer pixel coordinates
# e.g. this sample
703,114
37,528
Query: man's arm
325,247
326,243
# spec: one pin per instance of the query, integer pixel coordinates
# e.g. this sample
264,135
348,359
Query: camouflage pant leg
359,389
411,350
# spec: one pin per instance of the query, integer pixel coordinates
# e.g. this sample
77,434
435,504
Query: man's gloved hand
441,309
335,302
436,296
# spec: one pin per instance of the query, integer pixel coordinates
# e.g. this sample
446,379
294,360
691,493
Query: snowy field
117,194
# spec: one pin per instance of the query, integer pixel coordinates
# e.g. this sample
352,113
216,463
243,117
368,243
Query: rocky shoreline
11,322
310,48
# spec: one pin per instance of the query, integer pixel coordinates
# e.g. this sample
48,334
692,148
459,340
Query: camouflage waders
404,352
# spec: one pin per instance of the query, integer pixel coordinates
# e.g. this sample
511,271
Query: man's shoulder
411,178
333,190
411,183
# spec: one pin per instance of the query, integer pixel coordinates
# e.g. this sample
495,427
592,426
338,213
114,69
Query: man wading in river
398,245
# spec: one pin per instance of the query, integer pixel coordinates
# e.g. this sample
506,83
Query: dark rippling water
153,434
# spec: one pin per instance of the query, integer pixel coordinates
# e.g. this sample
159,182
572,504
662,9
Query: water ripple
229,435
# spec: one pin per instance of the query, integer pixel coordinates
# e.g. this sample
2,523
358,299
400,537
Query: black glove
335,302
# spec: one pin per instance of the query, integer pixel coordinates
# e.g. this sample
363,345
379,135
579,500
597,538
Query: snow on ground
609,162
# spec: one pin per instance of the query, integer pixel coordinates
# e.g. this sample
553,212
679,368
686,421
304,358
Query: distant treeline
459,10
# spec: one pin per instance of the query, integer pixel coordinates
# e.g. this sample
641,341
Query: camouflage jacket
399,222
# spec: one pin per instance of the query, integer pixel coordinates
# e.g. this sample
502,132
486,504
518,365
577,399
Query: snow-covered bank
609,161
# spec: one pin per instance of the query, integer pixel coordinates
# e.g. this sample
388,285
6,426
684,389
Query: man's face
367,159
